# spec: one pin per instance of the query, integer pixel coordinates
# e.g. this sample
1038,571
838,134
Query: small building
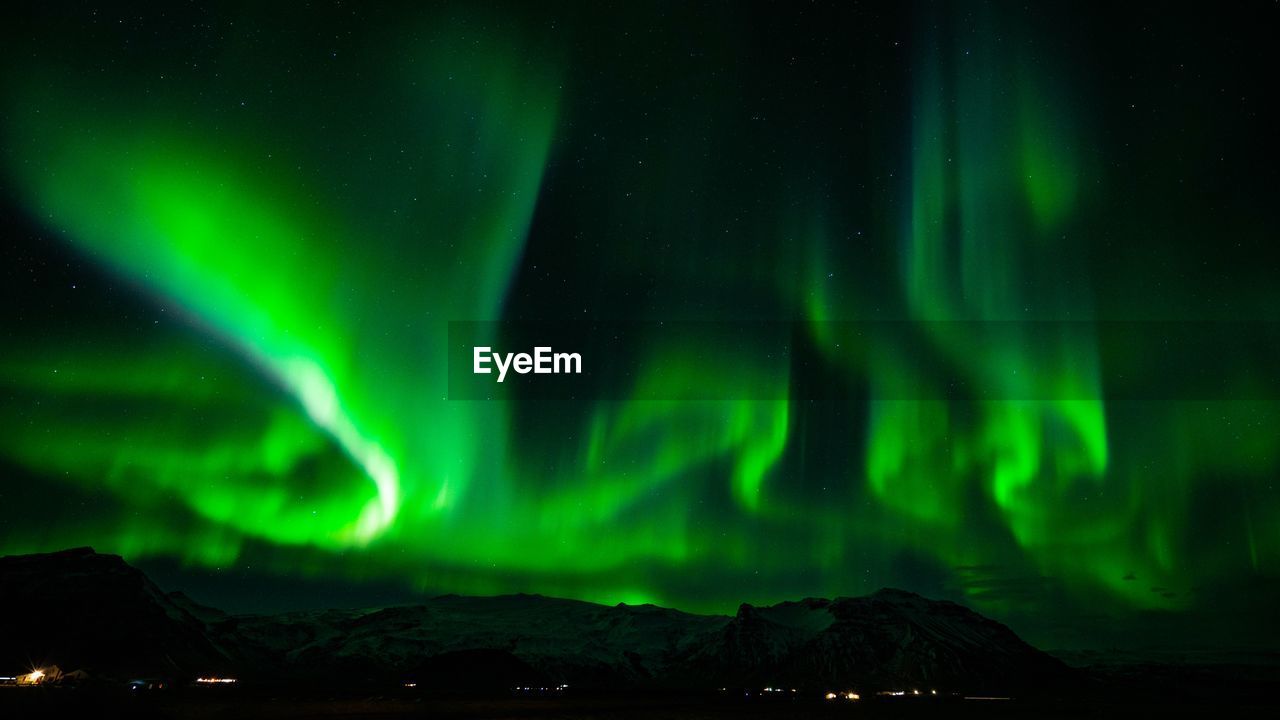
40,676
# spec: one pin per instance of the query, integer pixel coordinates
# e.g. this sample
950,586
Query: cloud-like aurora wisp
203,219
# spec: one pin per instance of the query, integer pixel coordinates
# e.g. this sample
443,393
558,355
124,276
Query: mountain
80,609
890,640
565,640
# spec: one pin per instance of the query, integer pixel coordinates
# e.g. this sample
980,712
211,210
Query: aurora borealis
236,237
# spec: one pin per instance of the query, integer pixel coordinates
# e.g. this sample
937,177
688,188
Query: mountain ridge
102,614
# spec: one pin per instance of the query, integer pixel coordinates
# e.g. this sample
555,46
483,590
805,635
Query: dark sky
973,299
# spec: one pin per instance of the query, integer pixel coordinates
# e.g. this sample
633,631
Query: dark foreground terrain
193,705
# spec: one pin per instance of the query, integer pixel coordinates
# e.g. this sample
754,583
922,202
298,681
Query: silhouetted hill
80,609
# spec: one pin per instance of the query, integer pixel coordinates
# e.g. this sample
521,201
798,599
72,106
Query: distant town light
38,676
215,680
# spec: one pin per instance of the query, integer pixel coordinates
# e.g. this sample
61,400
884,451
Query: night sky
1021,262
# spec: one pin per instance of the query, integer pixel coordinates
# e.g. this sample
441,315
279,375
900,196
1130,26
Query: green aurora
270,220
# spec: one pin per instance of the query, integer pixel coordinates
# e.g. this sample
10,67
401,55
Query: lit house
40,676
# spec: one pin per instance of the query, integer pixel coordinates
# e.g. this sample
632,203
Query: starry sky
1000,284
